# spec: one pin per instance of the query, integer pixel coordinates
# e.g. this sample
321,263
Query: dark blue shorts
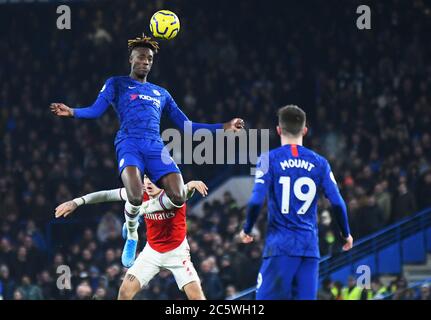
286,277
149,156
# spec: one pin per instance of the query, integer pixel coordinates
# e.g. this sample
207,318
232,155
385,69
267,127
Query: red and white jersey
166,230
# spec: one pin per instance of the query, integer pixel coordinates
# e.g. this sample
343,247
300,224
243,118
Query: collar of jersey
140,83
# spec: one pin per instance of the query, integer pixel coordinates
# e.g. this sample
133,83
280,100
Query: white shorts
149,263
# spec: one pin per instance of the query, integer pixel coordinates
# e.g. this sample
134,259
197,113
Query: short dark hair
143,42
291,119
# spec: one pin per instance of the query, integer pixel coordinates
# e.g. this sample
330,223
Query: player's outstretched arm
105,98
163,203
68,207
193,185
181,121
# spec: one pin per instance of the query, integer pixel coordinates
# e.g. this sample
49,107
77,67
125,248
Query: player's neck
291,140
135,77
155,195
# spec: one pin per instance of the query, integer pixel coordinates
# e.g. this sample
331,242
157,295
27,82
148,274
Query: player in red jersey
166,246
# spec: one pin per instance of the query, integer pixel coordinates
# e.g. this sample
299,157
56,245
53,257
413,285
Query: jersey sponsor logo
156,92
296,163
159,215
156,102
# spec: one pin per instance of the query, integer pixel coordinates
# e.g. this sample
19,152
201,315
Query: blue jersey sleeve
105,98
332,192
263,180
181,121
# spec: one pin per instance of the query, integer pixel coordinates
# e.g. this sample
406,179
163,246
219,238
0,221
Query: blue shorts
150,156
288,278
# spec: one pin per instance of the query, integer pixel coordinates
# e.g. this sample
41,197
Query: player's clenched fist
66,208
61,110
245,238
235,124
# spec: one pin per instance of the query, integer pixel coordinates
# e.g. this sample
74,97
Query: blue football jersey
139,107
291,177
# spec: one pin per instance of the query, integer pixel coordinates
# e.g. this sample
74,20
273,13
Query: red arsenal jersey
166,230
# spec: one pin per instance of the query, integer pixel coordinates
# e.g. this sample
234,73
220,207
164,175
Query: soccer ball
164,24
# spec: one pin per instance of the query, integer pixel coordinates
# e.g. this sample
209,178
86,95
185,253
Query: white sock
131,213
162,203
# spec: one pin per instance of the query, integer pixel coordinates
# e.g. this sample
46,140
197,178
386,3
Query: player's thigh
159,163
146,266
129,155
178,262
275,278
194,291
307,279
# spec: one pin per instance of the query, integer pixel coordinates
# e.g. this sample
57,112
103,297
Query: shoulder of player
319,158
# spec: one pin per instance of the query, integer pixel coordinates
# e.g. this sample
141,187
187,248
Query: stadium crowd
366,93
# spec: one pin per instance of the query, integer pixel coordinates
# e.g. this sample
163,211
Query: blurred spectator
211,283
352,291
404,203
383,200
378,290
29,290
109,227
425,292
230,291
424,191
7,283
83,291
325,292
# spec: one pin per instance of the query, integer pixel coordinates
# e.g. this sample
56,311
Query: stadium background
366,93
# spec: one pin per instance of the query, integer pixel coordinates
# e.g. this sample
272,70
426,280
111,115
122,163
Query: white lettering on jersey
296,163
159,215
155,101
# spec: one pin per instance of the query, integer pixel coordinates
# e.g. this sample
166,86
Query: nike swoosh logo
131,87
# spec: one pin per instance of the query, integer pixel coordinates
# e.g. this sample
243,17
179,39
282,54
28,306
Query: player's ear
279,130
304,131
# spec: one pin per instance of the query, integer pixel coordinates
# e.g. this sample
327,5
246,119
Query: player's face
150,188
141,60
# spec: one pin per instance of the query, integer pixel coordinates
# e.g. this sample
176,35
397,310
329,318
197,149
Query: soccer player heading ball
291,176
140,105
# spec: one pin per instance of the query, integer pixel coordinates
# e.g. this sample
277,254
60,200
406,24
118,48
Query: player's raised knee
178,198
135,198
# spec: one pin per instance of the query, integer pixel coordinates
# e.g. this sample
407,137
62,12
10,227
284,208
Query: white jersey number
306,197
